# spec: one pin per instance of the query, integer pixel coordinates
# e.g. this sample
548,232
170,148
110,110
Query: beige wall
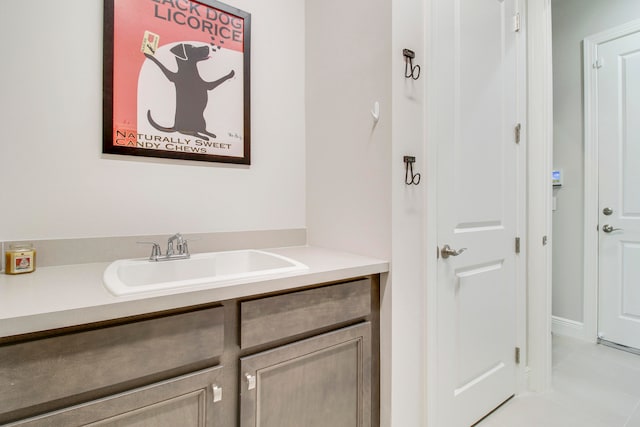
348,157
356,196
349,182
57,184
574,20
408,400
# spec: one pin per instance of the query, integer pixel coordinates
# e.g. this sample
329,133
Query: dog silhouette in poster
192,91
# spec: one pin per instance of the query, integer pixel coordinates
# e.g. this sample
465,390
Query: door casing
539,193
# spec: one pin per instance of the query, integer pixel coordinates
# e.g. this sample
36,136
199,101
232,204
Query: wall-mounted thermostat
556,178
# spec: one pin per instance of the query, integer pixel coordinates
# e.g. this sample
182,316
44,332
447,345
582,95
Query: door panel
477,75
629,92
479,115
474,323
618,106
630,279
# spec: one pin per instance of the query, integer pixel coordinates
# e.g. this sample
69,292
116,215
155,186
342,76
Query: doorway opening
584,231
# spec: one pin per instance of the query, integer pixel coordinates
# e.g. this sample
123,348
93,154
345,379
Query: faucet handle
179,241
184,248
155,250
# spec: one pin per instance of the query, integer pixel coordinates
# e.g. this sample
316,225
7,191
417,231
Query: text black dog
191,91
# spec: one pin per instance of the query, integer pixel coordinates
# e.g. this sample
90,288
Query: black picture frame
133,34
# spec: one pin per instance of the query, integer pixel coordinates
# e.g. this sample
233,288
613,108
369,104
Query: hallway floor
593,386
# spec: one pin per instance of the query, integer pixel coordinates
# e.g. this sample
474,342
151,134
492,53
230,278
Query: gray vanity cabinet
192,400
306,357
318,382
92,373
314,365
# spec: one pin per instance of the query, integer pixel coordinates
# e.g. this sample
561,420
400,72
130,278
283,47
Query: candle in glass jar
20,258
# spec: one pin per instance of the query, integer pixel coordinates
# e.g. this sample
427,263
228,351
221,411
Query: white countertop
68,295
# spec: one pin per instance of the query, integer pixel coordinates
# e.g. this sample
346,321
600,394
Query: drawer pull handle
217,393
251,380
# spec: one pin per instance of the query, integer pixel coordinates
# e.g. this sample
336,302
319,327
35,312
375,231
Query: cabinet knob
251,381
217,393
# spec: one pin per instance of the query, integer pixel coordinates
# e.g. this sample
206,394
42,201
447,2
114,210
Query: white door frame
591,214
539,192
534,293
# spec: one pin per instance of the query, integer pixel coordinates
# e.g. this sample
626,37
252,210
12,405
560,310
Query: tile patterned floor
593,386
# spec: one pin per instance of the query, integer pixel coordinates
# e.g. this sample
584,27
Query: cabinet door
318,382
188,401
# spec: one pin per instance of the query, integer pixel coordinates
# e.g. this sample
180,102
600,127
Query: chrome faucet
179,251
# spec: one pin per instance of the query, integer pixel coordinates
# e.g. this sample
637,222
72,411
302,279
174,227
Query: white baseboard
567,327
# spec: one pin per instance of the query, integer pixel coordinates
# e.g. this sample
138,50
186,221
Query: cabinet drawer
269,319
185,401
40,371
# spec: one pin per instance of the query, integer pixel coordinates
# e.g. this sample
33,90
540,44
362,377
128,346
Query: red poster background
173,21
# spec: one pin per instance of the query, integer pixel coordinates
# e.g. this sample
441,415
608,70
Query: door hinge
517,245
518,131
516,22
598,64
517,355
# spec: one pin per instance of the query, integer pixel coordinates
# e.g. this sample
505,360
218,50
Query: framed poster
176,80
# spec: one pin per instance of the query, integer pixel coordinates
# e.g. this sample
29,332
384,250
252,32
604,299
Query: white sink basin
214,269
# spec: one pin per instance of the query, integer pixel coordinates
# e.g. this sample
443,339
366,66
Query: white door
618,80
476,73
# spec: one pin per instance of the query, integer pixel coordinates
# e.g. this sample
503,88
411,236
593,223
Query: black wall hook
414,179
409,70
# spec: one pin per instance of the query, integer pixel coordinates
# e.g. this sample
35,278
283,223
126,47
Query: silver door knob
609,228
447,251
607,211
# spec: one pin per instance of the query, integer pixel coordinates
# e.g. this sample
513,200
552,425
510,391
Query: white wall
348,157
57,184
356,196
573,20
408,305
348,168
